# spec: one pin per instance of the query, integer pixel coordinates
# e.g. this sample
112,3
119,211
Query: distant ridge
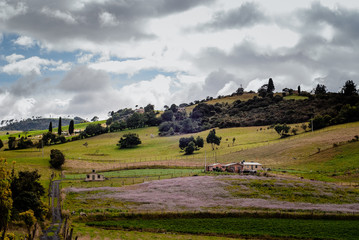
39,124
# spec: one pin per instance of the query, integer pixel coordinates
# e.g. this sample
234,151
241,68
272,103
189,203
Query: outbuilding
94,177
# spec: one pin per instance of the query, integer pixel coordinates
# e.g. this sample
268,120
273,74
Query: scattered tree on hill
48,138
282,129
299,91
320,89
320,121
270,87
118,126
1,144
233,140
149,108
27,193
5,197
213,139
240,91
136,120
167,116
59,129
349,88
263,90
50,127
71,127
94,119
109,121
189,145
11,143
57,158
129,140
94,129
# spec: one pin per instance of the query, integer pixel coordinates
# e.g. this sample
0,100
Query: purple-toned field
215,193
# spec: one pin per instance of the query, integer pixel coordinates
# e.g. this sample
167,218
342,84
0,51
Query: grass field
295,97
243,227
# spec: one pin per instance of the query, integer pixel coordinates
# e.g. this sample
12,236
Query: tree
11,143
94,119
233,141
57,158
118,126
271,87
109,121
183,142
149,108
129,140
30,221
167,116
59,129
240,91
320,89
1,144
94,129
299,91
27,193
213,139
5,197
135,121
190,148
199,142
50,127
349,88
174,108
71,127
282,129
263,90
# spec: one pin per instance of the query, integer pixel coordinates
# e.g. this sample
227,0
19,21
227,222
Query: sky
88,57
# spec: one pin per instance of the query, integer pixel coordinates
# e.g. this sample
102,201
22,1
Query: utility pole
205,161
42,146
312,125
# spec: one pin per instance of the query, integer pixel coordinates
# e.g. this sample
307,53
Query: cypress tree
299,90
271,87
50,127
59,130
71,127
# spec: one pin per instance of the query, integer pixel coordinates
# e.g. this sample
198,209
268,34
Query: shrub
129,140
57,158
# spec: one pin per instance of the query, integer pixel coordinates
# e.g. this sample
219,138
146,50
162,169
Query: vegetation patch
293,191
245,227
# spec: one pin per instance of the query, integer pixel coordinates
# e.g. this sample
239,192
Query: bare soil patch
200,193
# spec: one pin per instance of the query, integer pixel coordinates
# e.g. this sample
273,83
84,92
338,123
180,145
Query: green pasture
86,232
139,173
243,227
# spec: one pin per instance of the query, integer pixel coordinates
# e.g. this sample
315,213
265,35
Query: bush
57,158
129,140
190,148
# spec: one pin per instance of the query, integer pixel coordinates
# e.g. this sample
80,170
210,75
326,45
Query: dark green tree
282,129
149,108
27,192
11,143
199,142
59,129
57,158
183,142
190,148
263,90
349,88
1,144
271,87
94,119
299,91
50,127
167,116
94,129
109,121
118,126
6,201
129,140
135,121
71,127
213,139
320,89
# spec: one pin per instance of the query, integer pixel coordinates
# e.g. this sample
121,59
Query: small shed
251,166
94,177
215,166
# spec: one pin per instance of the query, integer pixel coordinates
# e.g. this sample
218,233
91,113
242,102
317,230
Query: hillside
38,124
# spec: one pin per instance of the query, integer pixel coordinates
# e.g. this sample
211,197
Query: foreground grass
243,227
86,232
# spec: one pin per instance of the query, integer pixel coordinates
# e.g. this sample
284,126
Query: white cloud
25,41
107,19
32,65
84,58
14,57
229,88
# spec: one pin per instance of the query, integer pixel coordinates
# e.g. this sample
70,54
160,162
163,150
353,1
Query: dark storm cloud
84,79
247,15
123,20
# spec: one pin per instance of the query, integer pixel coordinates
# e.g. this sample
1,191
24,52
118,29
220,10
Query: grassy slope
252,144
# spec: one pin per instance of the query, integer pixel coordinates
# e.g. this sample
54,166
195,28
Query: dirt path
52,233
200,193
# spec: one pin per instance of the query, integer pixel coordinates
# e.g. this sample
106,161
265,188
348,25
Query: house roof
251,163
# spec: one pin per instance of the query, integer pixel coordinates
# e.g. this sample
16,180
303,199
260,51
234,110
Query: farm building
94,177
235,167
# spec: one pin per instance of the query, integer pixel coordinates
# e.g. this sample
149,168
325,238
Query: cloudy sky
88,57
